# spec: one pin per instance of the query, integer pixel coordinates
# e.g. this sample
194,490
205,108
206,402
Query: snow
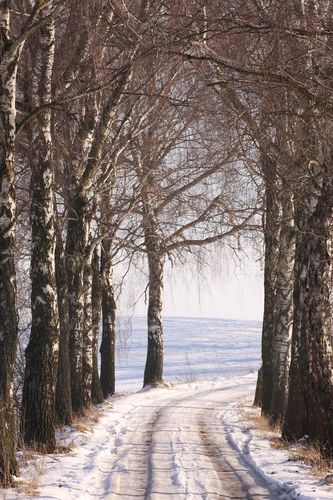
193,347
188,440
273,464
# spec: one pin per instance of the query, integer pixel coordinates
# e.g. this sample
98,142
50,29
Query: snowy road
161,443
194,440
176,446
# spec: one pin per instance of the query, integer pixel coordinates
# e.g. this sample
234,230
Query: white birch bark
271,239
8,315
108,343
153,243
76,244
283,307
87,356
309,410
43,347
83,170
96,387
63,403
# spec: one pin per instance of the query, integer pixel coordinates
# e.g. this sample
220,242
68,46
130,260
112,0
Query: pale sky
238,295
223,291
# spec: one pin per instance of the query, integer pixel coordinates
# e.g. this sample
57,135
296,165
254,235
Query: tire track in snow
130,472
229,484
236,480
234,477
150,468
184,445
171,444
239,475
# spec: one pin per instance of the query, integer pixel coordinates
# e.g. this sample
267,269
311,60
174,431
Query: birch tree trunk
283,308
83,171
63,388
8,315
271,238
96,388
309,409
42,350
108,343
154,361
77,235
87,356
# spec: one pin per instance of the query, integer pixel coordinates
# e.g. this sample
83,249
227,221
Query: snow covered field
190,440
195,348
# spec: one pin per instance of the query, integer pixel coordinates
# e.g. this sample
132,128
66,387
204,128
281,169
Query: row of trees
154,128
273,60
110,149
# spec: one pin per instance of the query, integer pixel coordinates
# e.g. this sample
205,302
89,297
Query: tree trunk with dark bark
156,256
154,362
283,308
96,387
309,409
8,315
87,355
42,350
271,238
63,388
76,243
108,343
258,394
90,139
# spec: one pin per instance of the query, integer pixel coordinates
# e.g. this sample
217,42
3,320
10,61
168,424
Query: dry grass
93,413
30,460
279,444
64,448
308,454
29,486
28,454
80,425
86,423
260,422
312,456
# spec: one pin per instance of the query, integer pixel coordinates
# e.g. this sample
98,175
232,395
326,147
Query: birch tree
96,125
109,307
182,172
310,403
308,79
130,38
11,45
63,402
96,387
42,350
8,318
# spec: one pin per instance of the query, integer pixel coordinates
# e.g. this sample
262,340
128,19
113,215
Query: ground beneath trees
197,439
187,441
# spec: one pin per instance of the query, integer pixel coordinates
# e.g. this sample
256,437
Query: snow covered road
194,440
161,443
